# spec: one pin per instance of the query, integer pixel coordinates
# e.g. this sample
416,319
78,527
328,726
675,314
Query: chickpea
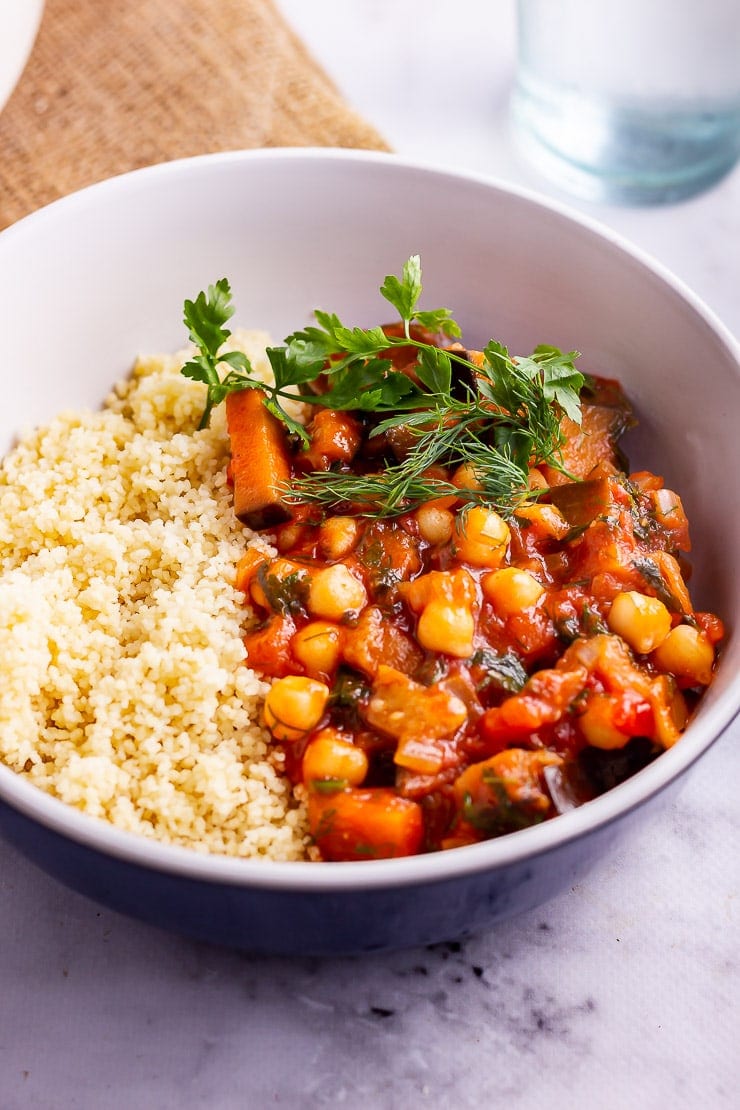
466,477
294,706
642,621
687,653
482,537
511,590
317,646
597,724
457,587
546,518
338,536
331,756
289,536
436,525
447,628
334,592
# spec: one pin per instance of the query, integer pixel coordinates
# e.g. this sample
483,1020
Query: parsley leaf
205,318
404,295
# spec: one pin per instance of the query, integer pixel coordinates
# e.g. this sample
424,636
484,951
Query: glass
632,101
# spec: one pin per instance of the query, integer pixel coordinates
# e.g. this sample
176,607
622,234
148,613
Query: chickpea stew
478,617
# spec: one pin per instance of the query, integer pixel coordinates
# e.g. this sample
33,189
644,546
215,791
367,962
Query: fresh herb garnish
205,318
507,419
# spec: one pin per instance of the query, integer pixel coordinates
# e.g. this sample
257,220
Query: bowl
19,24
99,276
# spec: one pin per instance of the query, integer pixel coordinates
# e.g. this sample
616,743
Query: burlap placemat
113,85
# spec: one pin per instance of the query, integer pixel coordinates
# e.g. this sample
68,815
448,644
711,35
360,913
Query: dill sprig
500,479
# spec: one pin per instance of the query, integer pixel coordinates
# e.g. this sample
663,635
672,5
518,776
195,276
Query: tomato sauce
447,675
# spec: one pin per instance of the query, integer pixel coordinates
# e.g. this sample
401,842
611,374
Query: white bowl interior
91,281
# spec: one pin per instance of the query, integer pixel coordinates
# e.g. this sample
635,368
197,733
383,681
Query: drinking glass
629,101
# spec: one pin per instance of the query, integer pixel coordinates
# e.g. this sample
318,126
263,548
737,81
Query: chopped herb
567,628
287,595
501,815
650,571
508,418
592,621
504,671
349,692
328,786
205,318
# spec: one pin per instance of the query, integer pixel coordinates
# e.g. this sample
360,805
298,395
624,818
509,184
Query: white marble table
621,993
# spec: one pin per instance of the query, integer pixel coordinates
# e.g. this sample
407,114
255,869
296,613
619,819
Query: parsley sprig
500,417
205,318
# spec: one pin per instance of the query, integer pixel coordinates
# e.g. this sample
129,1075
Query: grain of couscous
125,692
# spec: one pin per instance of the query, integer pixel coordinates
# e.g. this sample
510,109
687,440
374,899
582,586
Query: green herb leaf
328,786
404,294
439,320
650,572
434,370
205,318
505,671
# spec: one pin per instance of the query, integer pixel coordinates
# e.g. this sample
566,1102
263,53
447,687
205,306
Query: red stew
448,675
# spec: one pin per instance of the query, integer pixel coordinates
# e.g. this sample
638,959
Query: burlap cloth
113,85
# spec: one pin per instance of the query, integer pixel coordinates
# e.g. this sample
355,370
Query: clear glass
631,101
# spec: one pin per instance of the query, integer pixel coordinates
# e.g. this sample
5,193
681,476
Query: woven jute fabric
113,85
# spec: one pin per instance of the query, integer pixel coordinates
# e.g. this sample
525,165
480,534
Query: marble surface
620,993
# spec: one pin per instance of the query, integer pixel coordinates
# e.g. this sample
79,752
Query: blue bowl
91,280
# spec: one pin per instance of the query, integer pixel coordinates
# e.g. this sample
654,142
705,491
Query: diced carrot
372,823
247,567
376,640
260,463
268,647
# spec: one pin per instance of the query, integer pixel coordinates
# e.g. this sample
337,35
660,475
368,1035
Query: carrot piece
374,823
247,567
260,464
268,647
376,640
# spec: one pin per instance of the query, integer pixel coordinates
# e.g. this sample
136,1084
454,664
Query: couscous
125,690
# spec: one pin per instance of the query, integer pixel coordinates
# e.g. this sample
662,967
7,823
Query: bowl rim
302,876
